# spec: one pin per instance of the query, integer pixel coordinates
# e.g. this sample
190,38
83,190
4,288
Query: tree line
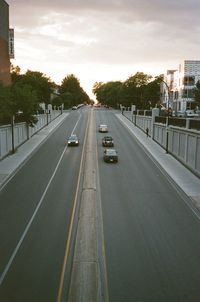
22,99
141,90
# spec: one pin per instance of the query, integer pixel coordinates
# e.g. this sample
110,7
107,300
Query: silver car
73,140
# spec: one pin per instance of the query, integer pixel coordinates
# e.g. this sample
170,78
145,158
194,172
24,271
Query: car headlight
76,142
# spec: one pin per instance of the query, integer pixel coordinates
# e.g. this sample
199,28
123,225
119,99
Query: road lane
151,235
35,272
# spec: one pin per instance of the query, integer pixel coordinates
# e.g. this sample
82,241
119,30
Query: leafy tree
108,93
16,99
25,100
71,91
197,93
6,104
151,97
139,90
36,80
15,73
134,88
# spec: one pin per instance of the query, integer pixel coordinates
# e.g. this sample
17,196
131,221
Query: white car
103,128
191,113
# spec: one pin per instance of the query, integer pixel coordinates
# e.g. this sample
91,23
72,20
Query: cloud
109,36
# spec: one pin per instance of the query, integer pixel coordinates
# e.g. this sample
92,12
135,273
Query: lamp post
167,119
13,132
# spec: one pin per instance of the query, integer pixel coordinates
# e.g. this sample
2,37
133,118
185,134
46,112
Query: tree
134,88
17,99
71,91
197,93
38,82
25,101
139,90
152,93
6,104
108,93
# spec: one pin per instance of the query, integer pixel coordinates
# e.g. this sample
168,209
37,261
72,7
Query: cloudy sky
104,40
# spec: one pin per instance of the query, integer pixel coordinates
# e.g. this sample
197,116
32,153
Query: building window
189,81
188,93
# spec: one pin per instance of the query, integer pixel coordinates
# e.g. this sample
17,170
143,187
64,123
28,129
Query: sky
104,40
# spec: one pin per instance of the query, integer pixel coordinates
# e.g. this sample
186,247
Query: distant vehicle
79,106
191,113
107,141
73,140
110,156
103,128
179,113
74,108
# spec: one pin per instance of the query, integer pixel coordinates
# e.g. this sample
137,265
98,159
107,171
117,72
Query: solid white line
76,123
33,216
30,222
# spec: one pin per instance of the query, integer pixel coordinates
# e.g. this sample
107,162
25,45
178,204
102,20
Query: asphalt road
35,214
151,236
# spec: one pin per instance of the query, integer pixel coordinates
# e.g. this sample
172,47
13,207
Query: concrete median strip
85,280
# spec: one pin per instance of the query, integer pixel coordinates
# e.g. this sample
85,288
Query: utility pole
167,119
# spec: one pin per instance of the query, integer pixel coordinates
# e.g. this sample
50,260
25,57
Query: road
35,214
151,235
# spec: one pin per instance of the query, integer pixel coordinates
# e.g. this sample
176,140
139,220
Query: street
34,273
150,233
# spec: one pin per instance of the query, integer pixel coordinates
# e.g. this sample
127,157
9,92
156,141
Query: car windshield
73,137
111,152
108,138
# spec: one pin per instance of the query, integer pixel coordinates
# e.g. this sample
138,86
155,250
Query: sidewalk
10,165
186,180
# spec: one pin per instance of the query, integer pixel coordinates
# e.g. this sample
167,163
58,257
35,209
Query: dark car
107,141
73,140
110,156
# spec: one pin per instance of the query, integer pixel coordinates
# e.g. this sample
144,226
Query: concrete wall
21,133
141,121
184,144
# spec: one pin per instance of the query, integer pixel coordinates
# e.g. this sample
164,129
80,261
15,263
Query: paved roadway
35,213
151,235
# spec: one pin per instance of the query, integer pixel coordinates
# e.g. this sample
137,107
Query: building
5,77
177,87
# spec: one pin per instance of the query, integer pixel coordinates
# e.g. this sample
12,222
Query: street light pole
13,133
167,119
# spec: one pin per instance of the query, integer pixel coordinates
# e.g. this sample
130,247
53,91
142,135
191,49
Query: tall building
5,77
177,87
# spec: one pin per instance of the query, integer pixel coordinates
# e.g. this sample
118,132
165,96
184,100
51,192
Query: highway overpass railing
12,137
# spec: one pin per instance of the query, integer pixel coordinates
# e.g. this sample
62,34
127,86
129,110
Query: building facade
5,77
178,85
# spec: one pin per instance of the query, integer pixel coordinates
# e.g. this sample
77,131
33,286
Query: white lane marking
76,123
33,216
24,162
